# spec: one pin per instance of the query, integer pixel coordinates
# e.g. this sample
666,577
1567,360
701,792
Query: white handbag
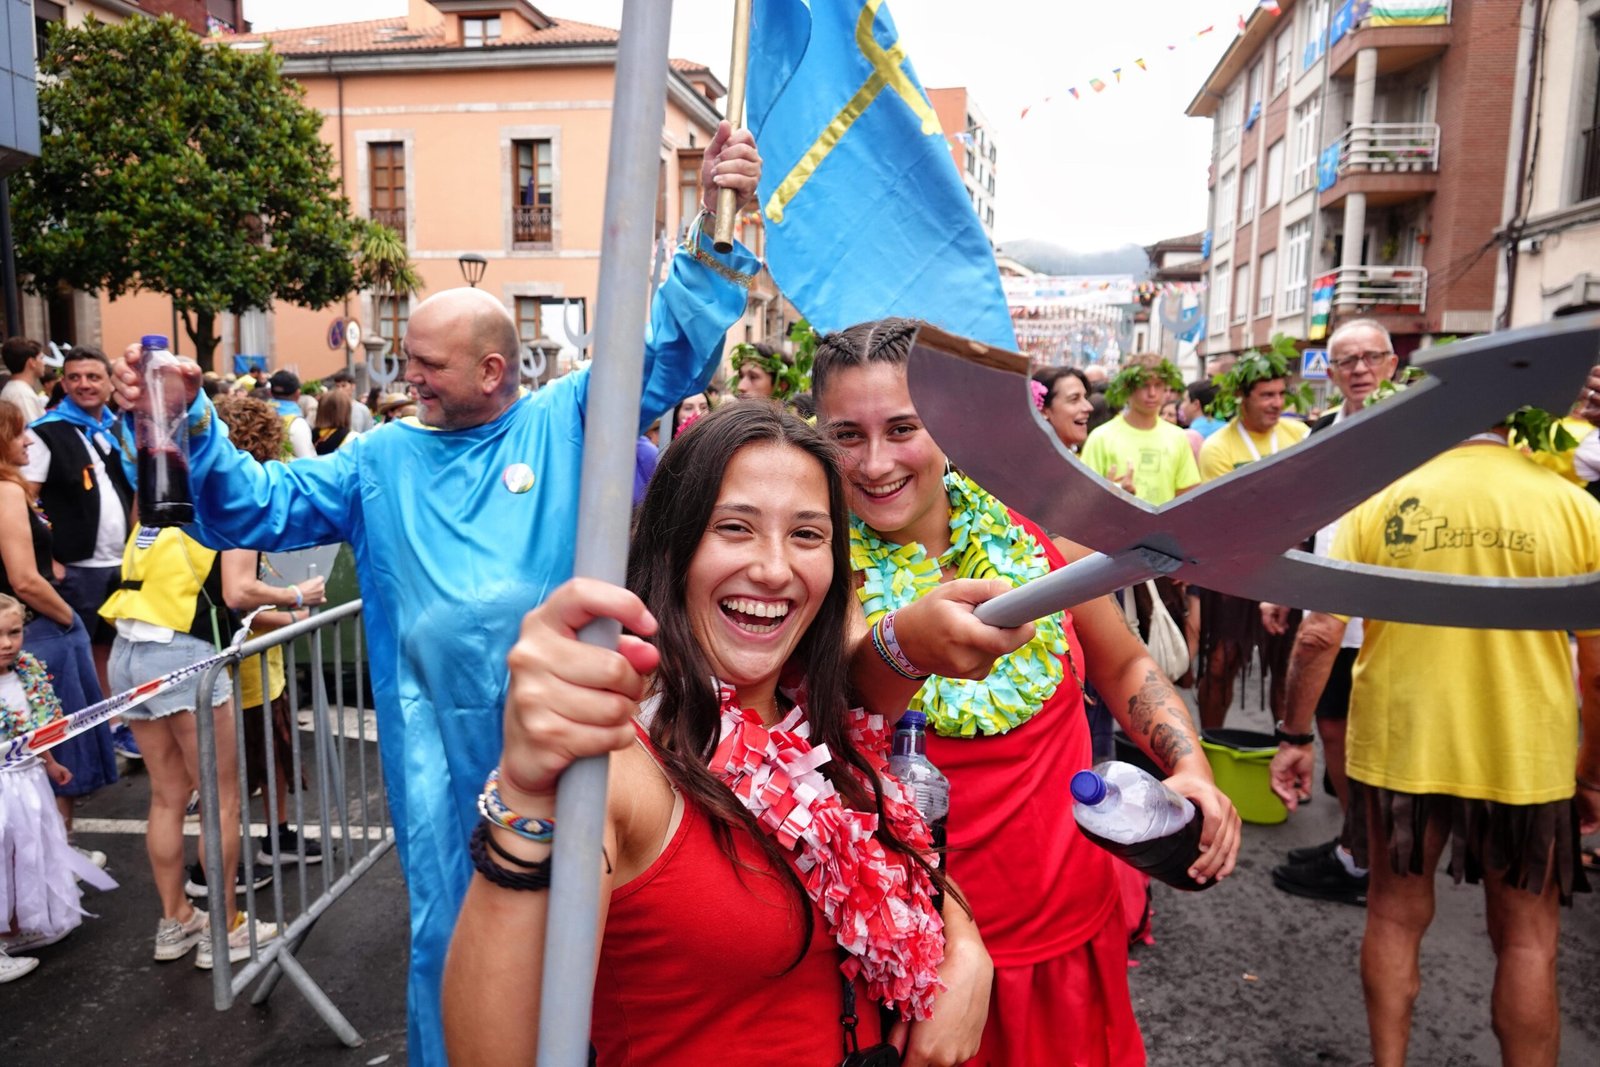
1167,644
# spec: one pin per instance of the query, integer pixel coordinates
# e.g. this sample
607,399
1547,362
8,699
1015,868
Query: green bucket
1241,763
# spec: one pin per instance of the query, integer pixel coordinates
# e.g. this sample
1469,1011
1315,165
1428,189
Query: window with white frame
1230,116
1303,168
1220,277
1282,58
1296,246
1266,282
1222,223
1274,183
1254,85
1316,33
1247,194
1241,293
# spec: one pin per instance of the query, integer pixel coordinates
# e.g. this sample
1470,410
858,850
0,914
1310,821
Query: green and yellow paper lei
984,543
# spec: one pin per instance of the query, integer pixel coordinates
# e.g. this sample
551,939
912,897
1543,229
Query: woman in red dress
757,852
1045,898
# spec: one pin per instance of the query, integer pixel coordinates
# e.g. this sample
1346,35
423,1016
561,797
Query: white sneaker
14,967
23,940
174,939
238,942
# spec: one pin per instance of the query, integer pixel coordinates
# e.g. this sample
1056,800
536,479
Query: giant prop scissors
1237,534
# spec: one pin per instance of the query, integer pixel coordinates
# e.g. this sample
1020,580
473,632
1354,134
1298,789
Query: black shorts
1335,700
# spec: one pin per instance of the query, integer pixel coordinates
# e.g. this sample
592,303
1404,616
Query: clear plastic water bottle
162,436
929,788
1124,810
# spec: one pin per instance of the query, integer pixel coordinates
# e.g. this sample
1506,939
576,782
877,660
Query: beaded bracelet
492,808
888,648
535,877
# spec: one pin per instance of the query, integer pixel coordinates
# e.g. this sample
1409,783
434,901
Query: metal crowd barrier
350,816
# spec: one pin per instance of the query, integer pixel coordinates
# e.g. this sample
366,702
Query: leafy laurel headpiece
1136,375
790,375
1259,365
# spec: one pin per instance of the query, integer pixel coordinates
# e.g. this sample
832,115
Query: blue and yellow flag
865,212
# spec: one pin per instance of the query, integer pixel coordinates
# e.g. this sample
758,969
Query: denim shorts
134,663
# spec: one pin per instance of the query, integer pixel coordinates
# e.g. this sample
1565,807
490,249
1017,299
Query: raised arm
493,976
705,292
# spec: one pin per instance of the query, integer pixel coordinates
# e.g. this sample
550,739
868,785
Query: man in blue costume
460,526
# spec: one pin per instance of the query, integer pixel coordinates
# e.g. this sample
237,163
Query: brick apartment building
971,146
1358,169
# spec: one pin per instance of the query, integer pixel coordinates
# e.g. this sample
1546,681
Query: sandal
1591,858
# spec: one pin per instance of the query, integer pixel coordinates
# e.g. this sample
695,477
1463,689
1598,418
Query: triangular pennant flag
1205,31
1140,64
1097,85
1241,23
1117,72
1074,91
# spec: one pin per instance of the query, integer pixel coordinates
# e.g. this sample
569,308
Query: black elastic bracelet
527,865
1280,734
536,878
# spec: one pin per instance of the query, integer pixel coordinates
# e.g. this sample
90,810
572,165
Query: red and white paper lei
876,905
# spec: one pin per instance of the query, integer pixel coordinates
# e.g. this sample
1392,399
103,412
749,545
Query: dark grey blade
1302,580
974,400
1471,386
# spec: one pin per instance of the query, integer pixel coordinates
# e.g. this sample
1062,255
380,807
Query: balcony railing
1365,287
530,223
1589,179
1390,146
392,217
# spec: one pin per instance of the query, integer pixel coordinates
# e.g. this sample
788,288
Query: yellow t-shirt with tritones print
1475,713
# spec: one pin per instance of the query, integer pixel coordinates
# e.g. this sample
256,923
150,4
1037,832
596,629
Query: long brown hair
685,727
12,425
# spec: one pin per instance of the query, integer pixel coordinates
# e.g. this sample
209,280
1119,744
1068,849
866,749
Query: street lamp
472,267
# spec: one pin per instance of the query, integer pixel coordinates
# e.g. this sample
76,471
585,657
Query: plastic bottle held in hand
162,436
1124,810
929,788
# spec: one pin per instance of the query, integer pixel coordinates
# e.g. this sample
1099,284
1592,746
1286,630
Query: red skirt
1073,1010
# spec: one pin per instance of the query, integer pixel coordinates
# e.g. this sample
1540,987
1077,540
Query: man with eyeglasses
1360,356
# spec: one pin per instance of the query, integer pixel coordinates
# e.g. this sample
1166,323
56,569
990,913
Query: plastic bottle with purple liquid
162,436
1126,811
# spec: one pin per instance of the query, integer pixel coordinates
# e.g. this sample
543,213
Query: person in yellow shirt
1463,736
1138,441
1230,626
1258,431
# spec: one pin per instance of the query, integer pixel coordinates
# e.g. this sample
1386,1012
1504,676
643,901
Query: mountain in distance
1047,257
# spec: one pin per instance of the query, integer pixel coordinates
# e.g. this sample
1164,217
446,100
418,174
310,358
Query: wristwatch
1280,734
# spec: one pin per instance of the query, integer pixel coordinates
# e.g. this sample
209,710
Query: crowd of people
805,567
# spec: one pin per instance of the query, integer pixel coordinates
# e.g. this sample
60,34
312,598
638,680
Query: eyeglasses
1370,359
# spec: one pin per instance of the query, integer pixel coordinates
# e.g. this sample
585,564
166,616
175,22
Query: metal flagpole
738,71
638,110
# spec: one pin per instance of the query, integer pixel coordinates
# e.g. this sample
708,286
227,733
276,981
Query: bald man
461,524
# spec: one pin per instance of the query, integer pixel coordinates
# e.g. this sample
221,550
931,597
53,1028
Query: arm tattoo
1169,745
1143,705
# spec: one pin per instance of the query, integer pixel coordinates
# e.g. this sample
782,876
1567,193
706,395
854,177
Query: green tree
177,166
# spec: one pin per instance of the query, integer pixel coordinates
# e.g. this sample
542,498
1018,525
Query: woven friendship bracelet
534,877
883,639
492,808
691,245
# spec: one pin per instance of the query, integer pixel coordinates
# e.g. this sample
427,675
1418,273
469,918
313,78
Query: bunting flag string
1099,85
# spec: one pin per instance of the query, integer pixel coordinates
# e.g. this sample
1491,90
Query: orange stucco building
472,128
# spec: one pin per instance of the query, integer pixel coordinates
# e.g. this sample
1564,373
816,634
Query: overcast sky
1118,166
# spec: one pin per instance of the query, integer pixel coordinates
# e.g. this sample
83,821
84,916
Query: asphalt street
1239,974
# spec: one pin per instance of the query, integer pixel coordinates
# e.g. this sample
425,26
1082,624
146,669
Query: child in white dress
39,896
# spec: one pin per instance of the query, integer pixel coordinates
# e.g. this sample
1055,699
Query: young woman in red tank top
747,868
1044,896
